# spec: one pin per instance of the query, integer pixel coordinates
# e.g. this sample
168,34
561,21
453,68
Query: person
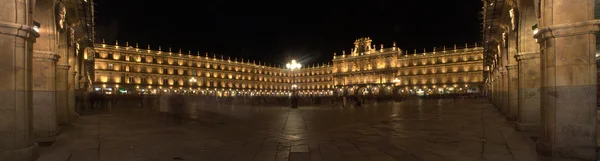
344,101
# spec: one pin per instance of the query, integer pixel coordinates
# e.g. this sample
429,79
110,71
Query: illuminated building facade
127,69
386,71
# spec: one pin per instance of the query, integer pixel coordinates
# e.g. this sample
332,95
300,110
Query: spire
169,49
221,57
159,49
179,50
454,46
214,56
198,54
206,55
103,42
126,43
136,45
394,44
228,58
148,46
189,52
116,42
424,50
444,47
235,59
415,51
466,45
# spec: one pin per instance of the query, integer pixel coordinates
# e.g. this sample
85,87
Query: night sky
276,31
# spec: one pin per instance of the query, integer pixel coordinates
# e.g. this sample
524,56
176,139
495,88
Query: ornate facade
128,69
385,71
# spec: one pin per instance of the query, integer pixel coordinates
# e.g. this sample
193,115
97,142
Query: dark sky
275,31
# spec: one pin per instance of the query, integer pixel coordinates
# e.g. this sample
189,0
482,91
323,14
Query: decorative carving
511,13
61,15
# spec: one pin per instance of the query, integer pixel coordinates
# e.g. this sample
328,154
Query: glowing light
293,65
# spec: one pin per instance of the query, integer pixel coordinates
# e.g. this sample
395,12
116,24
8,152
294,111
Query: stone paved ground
414,130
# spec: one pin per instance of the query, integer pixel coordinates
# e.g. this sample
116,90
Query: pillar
528,60
504,75
62,77
16,45
43,97
71,95
513,91
567,40
62,93
512,74
45,56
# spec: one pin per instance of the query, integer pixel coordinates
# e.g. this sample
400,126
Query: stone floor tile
413,130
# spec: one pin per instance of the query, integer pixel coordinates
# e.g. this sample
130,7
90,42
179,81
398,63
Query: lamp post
293,66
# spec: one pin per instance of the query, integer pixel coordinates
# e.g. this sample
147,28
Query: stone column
528,119
71,95
504,91
16,114
528,60
44,101
62,97
497,92
568,44
44,91
512,72
513,91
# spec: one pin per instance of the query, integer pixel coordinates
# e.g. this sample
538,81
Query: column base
587,153
26,154
46,136
524,127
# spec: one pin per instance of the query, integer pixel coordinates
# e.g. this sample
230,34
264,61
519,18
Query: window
194,72
110,66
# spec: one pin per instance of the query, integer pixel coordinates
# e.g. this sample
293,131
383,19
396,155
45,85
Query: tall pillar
528,59
62,79
16,47
504,100
513,91
44,101
567,38
71,95
44,91
512,72
62,97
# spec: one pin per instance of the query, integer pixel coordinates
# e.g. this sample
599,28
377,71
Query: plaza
527,90
411,130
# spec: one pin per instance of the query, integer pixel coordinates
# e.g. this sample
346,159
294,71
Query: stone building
543,71
41,43
129,69
386,71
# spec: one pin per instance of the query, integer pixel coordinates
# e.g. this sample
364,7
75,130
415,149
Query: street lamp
293,66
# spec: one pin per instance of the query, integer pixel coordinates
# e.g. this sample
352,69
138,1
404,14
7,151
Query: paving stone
412,130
